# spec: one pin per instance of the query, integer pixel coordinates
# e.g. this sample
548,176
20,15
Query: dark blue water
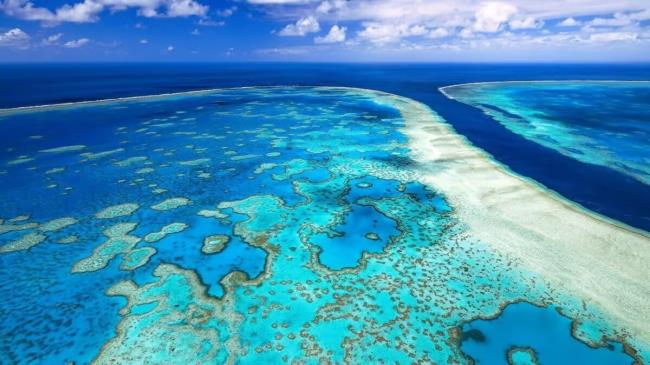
600,189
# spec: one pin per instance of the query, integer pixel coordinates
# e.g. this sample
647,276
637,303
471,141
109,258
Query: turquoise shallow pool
605,123
250,226
525,334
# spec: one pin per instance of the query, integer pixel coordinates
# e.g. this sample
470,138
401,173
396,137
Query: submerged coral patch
214,244
211,213
55,170
64,149
57,224
20,160
136,258
197,162
171,203
164,231
196,335
119,242
131,161
522,356
97,155
25,242
11,227
119,210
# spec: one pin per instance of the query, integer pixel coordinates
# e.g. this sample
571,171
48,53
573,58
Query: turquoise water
543,334
249,226
602,123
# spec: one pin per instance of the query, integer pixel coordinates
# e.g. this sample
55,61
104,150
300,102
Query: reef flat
291,225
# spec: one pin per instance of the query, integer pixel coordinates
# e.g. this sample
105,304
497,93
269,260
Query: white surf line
45,107
100,101
442,89
599,261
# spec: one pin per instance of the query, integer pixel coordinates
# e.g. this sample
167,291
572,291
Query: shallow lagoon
526,334
284,172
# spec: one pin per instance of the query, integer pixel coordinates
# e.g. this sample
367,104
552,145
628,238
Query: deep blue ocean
598,188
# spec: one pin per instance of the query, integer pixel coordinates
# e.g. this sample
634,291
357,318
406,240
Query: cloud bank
465,24
88,11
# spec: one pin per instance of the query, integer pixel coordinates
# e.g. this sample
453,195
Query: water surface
602,123
259,225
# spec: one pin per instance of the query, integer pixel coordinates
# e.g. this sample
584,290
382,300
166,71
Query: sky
325,30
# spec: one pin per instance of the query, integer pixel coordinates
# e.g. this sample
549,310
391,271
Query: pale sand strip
597,260
444,89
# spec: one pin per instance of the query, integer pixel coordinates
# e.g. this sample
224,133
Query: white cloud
143,41
325,7
618,20
613,37
195,32
227,12
88,11
526,23
402,11
641,15
276,2
303,26
84,12
170,48
76,43
439,10
183,8
330,5
26,10
438,33
466,33
52,40
385,32
335,35
207,22
569,22
390,21
287,51
381,32
14,38
491,15
418,30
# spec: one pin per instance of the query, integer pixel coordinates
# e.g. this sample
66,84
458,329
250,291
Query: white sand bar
600,261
